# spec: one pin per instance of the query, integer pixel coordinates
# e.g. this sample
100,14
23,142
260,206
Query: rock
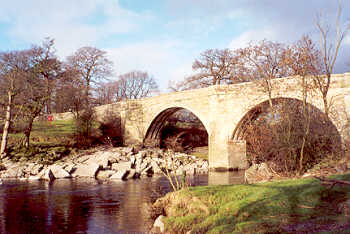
121,166
158,224
121,175
14,172
105,174
156,169
58,172
258,172
84,170
83,159
36,169
141,167
33,177
205,165
132,174
114,157
48,175
133,160
70,168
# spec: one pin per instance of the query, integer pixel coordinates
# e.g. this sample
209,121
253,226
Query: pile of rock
117,163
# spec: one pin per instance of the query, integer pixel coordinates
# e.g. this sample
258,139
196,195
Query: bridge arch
261,107
154,128
323,132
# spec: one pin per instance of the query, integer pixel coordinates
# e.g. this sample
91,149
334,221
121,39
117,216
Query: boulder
36,169
114,157
105,174
33,177
156,169
48,175
258,172
121,175
121,166
84,170
158,224
69,168
14,172
58,172
132,174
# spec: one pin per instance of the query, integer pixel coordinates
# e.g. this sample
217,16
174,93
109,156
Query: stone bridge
222,109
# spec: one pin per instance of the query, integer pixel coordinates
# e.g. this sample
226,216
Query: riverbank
288,206
120,163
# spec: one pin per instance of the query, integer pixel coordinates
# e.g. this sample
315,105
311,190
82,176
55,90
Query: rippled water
85,205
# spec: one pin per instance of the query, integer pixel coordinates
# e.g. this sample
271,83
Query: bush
278,139
111,129
85,131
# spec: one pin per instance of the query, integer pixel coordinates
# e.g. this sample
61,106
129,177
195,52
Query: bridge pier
227,155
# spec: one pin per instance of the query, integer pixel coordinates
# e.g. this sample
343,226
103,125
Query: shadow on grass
275,207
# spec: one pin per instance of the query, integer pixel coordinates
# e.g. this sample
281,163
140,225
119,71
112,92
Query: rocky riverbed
121,163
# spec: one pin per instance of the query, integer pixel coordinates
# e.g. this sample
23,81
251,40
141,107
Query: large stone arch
323,134
260,107
154,127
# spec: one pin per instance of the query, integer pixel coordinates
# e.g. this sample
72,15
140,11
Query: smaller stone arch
153,133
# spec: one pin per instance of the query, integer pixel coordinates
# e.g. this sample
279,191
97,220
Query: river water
87,205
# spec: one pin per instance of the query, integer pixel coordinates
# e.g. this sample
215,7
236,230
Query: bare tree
262,62
13,66
213,67
48,66
69,91
42,72
92,65
135,85
329,50
106,92
304,62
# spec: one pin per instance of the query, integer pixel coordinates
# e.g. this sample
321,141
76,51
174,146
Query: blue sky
162,37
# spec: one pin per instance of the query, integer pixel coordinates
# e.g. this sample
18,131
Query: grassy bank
49,141
44,132
301,205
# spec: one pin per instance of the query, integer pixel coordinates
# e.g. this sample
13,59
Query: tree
262,62
131,85
135,85
213,67
43,70
329,51
92,65
13,66
69,91
48,66
304,62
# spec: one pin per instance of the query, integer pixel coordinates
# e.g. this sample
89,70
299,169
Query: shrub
278,137
111,129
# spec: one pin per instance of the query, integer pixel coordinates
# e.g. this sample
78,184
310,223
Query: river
87,205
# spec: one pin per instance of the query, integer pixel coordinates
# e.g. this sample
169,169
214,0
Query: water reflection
82,205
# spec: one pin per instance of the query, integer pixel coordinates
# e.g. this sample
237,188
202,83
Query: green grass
47,133
49,141
54,128
265,207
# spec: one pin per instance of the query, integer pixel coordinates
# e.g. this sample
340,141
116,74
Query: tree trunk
325,104
27,132
6,126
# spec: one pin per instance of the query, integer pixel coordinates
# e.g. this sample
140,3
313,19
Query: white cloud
165,60
252,36
71,23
